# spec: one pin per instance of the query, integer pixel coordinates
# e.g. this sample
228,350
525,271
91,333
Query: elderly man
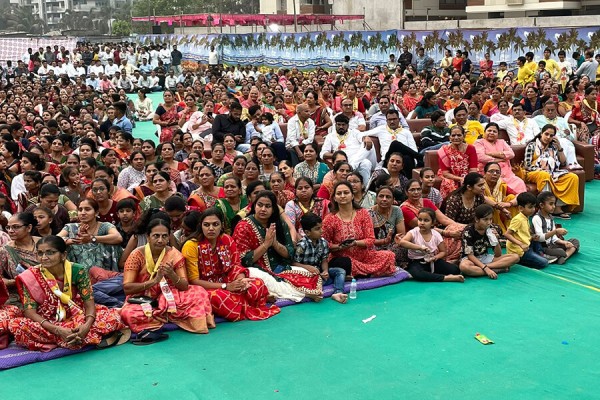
519,128
356,118
392,137
566,137
301,130
357,146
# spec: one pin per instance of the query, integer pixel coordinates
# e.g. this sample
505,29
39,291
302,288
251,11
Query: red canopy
248,19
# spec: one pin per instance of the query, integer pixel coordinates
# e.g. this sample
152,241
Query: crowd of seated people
262,186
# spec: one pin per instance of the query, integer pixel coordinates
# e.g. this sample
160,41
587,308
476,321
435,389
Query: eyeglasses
47,253
494,171
13,227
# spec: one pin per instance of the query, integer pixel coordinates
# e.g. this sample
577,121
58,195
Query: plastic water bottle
352,294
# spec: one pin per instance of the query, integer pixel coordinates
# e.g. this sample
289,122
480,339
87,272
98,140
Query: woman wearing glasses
59,307
19,254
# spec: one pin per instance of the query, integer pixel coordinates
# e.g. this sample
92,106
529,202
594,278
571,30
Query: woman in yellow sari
497,190
544,157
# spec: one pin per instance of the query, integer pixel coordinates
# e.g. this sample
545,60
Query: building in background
53,11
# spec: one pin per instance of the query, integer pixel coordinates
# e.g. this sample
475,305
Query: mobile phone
347,242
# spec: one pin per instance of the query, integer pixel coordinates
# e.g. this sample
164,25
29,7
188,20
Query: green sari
228,212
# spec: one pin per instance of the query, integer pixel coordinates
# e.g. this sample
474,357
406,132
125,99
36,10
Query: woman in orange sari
213,262
124,147
455,161
155,282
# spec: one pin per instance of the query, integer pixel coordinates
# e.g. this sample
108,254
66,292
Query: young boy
502,70
518,234
126,210
551,239
311,254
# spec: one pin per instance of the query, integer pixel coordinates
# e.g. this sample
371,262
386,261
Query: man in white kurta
357,146
393,132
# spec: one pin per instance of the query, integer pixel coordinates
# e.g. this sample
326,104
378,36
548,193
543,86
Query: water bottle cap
353,280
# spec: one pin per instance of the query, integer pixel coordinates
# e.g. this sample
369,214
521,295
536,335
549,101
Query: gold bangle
178,280
91,316
42,323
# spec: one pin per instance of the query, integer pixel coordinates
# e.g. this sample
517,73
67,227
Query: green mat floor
420,346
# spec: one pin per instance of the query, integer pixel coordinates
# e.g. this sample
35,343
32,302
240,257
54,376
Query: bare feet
315,298
454,278
340,297
271,298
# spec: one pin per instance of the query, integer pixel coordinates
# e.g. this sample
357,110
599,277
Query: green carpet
420,346
146,129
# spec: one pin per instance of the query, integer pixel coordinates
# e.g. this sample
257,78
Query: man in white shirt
394,138
379,118
79,70
155,82
59,69
519,128
357,146
171,80
125,83
96,68
145,82
565,135
43,69
111,68
27,56
129,68
213,59
165,56
301,130
154,56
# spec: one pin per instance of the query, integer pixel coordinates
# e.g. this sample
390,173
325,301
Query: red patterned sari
250,234
7,313
457,163
223,265
36,294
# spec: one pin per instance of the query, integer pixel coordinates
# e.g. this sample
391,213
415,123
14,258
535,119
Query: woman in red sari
213,262
7,314
455,161
167,117
267,250
349,231
59,308
207,194
317,113
155,282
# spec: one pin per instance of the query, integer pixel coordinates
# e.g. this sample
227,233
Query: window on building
452,4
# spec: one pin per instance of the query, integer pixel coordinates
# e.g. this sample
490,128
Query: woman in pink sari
158,291
492,149
455,161
167,117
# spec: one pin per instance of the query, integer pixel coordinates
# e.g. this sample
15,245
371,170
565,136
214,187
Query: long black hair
275,217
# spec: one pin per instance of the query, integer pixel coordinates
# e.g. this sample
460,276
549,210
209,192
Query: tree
121,28
143,8
22,19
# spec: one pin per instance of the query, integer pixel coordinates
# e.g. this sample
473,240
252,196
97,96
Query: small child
518,234
126,210
44,217
551,238
426,251
312,252
477,238
269,129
